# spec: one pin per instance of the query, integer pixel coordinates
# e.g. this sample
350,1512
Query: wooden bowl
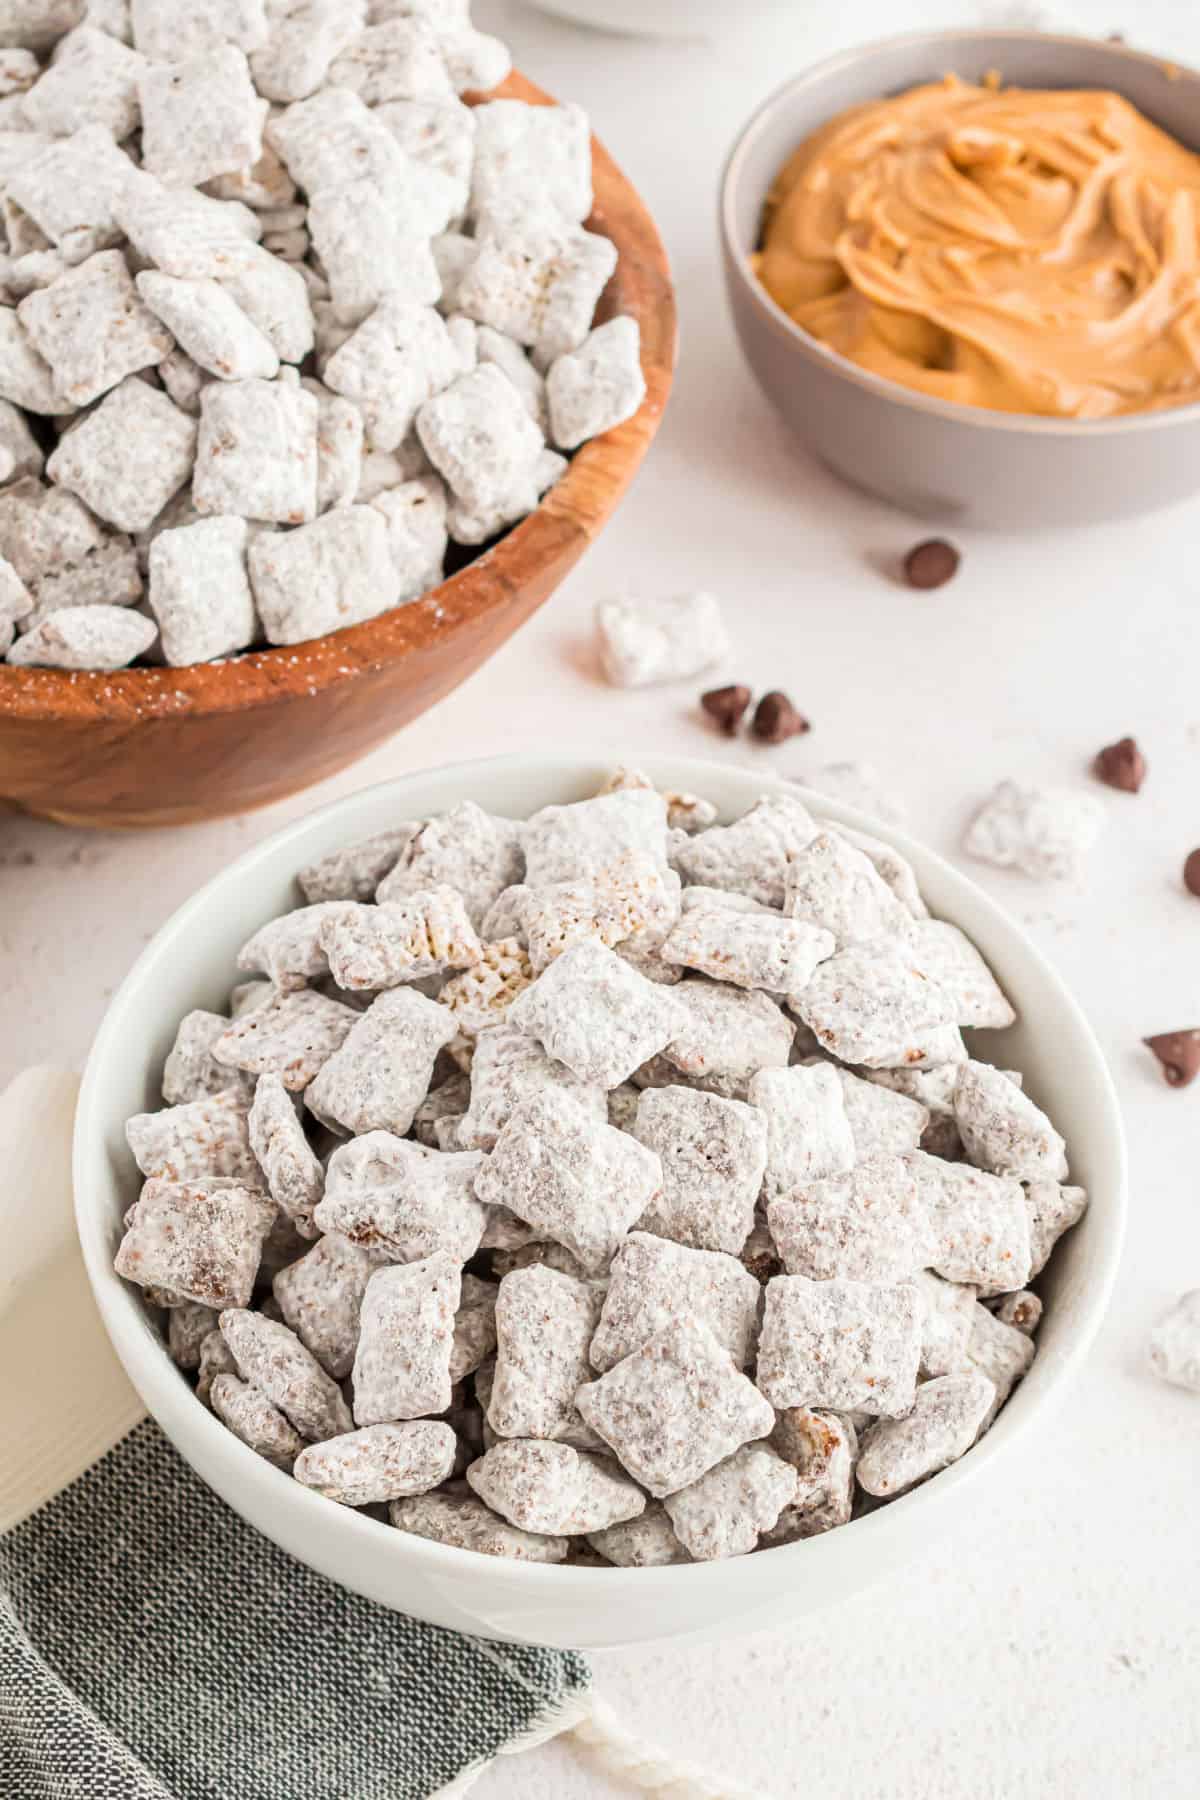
161,746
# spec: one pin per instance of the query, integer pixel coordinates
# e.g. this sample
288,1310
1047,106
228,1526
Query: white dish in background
190,963
662,18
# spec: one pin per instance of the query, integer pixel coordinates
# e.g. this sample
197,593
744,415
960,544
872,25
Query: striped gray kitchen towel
152,1645
155,1647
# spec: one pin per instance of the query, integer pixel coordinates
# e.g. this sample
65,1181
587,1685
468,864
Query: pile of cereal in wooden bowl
283,318
614,1185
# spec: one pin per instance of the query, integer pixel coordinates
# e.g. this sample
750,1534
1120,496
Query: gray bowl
933,457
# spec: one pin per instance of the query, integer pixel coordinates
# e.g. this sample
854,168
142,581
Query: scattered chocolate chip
1179,1054
726,705
1115,37
931,564
1121,765
776,719
1191,873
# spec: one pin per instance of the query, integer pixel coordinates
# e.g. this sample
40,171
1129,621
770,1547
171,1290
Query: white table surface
1053,1647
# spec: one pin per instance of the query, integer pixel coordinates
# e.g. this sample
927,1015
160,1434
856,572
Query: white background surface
1055,1647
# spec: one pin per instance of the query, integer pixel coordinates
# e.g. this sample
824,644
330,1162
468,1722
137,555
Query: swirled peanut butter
1029,251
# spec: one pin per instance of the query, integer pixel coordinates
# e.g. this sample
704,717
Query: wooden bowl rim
579,502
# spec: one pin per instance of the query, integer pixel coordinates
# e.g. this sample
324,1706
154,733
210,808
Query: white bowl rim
882,385
174,1405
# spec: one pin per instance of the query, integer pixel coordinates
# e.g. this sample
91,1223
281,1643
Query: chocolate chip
931,564
1191,873
776,719
1121,765
1179,1054
726,705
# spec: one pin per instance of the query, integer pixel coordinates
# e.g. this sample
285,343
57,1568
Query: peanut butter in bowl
1019,249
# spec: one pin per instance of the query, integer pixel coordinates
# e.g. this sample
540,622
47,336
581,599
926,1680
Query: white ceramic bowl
190,963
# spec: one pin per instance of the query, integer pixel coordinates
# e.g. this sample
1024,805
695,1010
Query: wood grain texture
170,746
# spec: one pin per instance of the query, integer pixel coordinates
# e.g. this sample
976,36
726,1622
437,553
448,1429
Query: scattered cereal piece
654,1282
571,1175
675,1408
872,1005
776,719
200,592
867,1225
726,1035
200,1240
643,642
831,884
85,637
275,1361
538,284
92,328
291,1035
508,1069
943,1424
401,1200
466,848
465,1522
335,572
647,1542
1175,1343
474,1327
749,950
528,158
552,1489
1052,1209
751,856
980,1223
200,118
713,1153
822,1448
808,1133
949,1314
1044,832
204,1137
723,1513
379,1462
882,1122
545,1320
851,1346
948,957
320,1298
293,1173
406,1332
129,457
1001,1128
249,1414
187,1327
373,947
1191,872
396,360
354,872
1000,1352
590,1010
1022,1310
598,386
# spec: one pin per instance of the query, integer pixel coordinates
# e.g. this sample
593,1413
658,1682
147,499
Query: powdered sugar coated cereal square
597,387
674,1408
751,856
200,591
724,1512
1044,832
401,1201
380,1074
126,459
713,1153
808,1133
406,1331
643,642
593,1012
333,573
653,1283
851,1346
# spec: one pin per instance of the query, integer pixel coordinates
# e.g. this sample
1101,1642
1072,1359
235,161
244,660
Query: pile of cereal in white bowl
281,318
614,1186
